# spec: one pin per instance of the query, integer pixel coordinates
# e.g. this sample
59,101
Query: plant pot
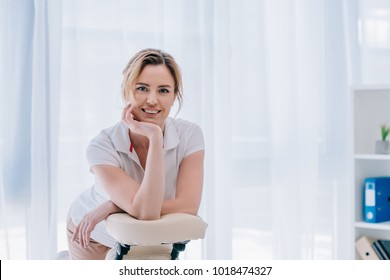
382,147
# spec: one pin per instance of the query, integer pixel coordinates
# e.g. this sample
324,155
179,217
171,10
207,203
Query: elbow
149,213
143,214
149,217
191,209
188,210
193,212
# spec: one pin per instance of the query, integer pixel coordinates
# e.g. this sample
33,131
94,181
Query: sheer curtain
30,87
264,79
307,89
268,83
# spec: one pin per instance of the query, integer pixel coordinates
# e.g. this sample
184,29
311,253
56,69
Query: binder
378,250
376,206
364,248
382,248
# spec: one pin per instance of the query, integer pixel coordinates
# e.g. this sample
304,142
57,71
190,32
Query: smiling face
153,94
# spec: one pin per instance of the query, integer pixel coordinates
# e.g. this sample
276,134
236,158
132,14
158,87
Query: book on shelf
382,249
365,249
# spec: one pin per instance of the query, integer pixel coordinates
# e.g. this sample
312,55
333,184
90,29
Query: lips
150,111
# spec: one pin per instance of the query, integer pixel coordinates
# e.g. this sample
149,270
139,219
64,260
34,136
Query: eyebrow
144,84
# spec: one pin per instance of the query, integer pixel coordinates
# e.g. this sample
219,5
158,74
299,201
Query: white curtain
30,91
266,80
307,89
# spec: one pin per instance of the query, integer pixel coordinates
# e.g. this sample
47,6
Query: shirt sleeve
101,151
195,141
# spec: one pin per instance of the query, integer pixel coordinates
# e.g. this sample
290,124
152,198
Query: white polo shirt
112,147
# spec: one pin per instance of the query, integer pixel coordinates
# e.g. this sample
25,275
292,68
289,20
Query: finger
125,110
134,114
86,237
129,114
81,237
76,232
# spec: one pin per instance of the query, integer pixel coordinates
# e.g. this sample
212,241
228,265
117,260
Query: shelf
372,157
358,88
378,226
370,109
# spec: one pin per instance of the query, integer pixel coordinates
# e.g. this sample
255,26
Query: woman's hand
146,129
90,220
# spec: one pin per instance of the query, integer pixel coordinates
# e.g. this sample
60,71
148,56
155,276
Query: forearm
149,198
111,208
105,209
178,206
91,219
189,185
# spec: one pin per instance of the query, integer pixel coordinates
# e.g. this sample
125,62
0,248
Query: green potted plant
383,146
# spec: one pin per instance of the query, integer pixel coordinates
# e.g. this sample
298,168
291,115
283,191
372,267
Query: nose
152,98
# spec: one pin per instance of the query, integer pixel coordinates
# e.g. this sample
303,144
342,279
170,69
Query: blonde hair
150,57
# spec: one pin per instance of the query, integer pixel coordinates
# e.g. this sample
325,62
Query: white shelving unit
371,108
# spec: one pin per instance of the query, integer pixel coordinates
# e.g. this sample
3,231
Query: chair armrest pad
171,228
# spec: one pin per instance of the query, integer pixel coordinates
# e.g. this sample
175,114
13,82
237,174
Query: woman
147,165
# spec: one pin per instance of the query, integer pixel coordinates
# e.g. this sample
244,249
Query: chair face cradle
159,239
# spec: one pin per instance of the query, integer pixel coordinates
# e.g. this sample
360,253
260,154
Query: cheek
130,98
169,103
136,99
136,109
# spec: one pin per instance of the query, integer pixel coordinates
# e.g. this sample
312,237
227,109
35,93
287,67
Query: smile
150,111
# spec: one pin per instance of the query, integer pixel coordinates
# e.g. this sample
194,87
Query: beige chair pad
170,228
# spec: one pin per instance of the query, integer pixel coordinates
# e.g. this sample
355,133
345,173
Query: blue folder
376,206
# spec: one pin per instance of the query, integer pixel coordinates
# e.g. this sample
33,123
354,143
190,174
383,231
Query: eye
164,90
141,88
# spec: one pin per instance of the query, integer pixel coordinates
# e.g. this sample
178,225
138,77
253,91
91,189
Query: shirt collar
171,139
120,138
